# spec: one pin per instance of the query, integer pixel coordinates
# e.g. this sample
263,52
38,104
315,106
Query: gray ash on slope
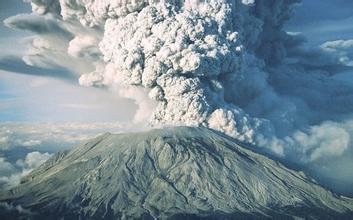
169,173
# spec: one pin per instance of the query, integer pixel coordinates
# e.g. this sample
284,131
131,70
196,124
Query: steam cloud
223,64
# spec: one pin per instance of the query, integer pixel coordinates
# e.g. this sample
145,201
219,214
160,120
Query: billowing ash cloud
223,64
189,56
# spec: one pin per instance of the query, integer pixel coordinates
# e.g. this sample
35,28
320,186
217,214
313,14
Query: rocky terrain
171,173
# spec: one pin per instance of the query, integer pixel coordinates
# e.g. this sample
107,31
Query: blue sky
24,97
34,98
9,8
323,20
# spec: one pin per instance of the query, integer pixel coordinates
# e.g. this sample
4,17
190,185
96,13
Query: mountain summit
173,173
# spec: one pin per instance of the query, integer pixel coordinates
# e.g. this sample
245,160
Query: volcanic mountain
171,173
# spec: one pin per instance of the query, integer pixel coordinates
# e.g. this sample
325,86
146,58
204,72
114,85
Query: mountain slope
169,173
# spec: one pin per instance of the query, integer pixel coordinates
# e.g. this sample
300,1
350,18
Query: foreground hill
180,172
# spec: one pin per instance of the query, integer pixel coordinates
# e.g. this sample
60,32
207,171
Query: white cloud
35,159
327,140
6,168
11,174
51,135
343,49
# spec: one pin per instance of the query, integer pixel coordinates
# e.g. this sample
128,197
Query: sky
41,98
330,21
20,94
30,94
7,9
25,97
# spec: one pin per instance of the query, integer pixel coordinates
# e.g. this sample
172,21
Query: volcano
170,173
